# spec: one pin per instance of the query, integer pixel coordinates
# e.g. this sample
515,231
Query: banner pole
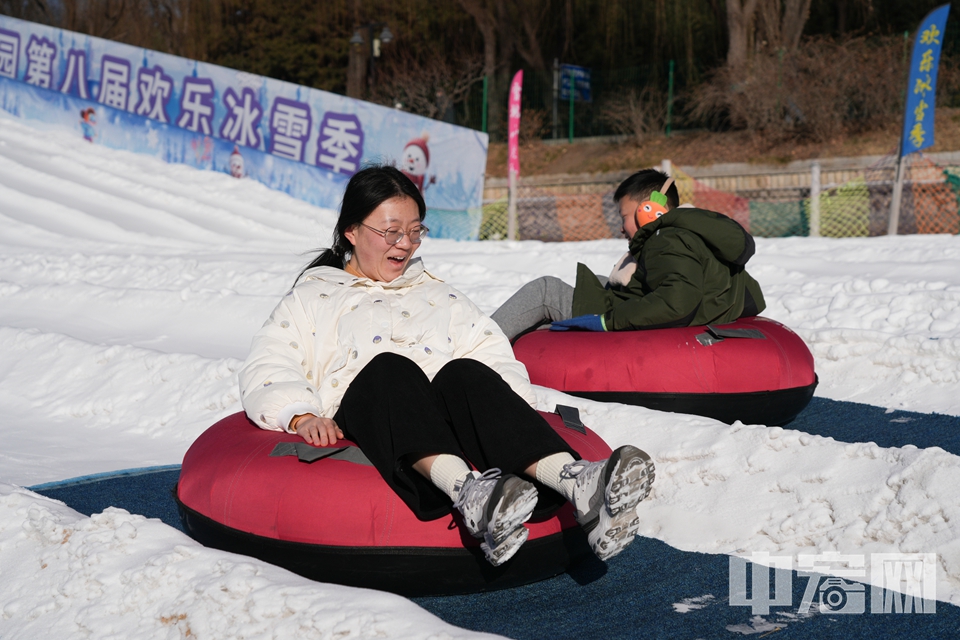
893,217
893,223
512,206
814,231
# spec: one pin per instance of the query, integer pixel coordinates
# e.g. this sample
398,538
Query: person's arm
274,382
674,275
478,337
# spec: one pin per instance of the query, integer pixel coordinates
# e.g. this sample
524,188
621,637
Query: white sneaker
505,550
606,495
494,508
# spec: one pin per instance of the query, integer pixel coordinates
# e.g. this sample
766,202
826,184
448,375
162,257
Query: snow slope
129,290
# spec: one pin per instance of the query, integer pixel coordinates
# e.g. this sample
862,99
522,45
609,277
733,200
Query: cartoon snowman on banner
415,160
236,163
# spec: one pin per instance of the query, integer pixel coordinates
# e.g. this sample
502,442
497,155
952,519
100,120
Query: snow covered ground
129,290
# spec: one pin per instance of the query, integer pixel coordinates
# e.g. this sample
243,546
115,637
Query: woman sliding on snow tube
371,347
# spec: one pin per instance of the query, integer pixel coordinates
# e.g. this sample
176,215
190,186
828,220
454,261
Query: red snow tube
754,370
336,520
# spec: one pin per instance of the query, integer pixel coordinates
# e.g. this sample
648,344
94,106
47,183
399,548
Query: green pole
573,87
483,126
669,98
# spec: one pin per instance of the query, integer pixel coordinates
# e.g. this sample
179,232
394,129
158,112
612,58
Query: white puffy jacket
325,330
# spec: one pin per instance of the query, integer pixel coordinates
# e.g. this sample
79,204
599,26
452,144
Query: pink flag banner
513,124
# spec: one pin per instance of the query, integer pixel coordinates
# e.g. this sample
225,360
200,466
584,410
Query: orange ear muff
649,211
656,206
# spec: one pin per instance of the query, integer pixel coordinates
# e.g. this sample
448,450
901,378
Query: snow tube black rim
406,571
771,408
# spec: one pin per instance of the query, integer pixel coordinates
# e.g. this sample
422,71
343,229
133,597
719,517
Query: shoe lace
489,474
575,469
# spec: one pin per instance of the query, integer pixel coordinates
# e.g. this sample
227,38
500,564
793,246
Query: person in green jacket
684,267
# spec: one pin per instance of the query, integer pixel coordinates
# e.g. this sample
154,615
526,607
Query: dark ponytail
335,256
368,189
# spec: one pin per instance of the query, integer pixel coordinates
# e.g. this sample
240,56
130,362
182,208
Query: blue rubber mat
854,422
652,590
148,492
649,591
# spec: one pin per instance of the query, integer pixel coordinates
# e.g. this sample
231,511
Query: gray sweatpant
538,302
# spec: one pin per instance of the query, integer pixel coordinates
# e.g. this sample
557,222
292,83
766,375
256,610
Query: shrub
822,89
637,112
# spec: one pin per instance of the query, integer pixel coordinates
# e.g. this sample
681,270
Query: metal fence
802,206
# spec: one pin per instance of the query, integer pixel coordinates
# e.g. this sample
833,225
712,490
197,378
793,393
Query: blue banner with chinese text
296,139
922,84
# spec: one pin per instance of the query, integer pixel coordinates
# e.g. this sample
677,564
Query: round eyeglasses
393,235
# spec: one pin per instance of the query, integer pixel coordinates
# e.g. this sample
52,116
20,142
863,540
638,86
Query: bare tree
33,10
484,13
427,87
487,13
739,16
531,16
512,27
638,113
816,93
781,22
567,27
793,20
152,24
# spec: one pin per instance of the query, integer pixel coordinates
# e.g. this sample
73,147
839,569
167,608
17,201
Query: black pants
397,415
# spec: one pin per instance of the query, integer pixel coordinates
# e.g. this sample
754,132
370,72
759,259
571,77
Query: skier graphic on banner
88,123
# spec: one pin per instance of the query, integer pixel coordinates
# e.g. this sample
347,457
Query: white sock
550,473
446,471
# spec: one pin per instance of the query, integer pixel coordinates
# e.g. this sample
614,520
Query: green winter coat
690,271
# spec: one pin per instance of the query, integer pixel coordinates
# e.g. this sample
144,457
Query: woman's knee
463,371
391,364
391,359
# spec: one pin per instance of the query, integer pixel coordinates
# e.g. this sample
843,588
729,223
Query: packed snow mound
124,576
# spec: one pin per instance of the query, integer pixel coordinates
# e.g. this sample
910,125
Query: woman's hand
316,431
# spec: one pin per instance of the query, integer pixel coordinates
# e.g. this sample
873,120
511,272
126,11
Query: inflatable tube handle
714,335
571,418
308,453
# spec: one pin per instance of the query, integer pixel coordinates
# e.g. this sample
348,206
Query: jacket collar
723,236
649,229
414,274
